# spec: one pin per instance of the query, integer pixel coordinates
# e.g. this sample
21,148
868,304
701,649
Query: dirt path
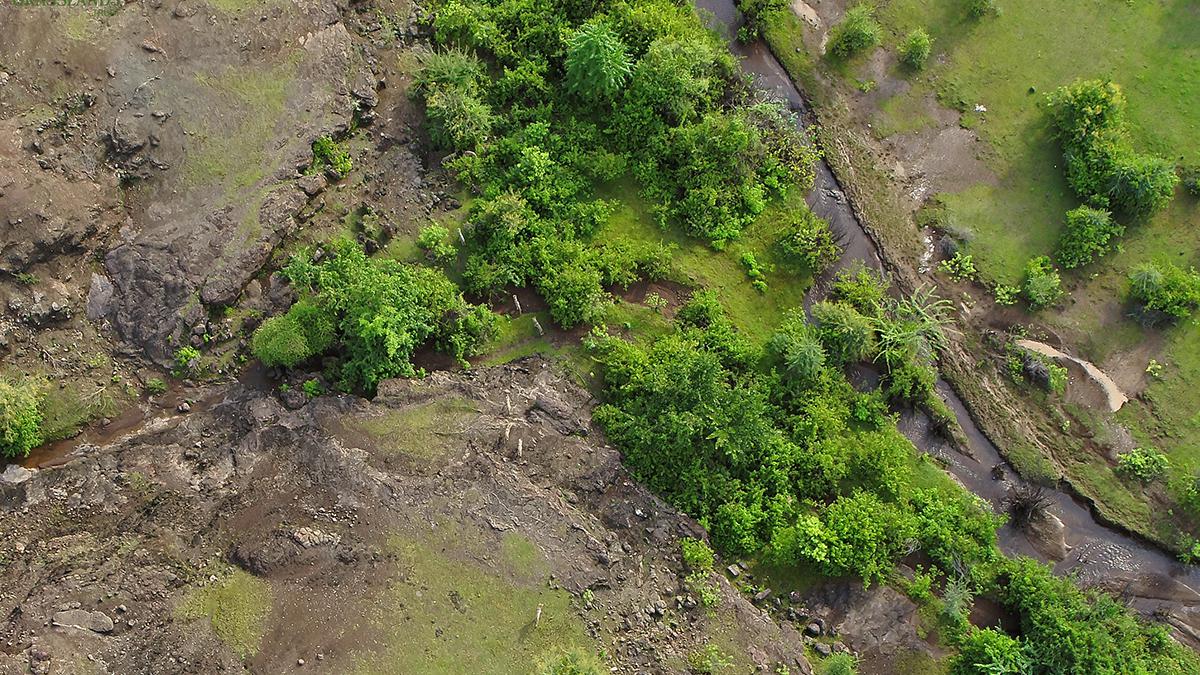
1116,398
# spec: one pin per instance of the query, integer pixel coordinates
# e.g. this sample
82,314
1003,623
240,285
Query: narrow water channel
1149,578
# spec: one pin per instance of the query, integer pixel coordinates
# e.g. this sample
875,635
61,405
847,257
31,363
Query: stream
1150,579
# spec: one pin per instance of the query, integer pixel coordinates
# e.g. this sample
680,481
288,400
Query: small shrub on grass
329,156
1189,177
312,388
574,662
433,240
755,271
20,418
1144,464
155,386
959,268
858,31
1090,234
458,119
808,241
1164,291
1042,285
981,8
915,49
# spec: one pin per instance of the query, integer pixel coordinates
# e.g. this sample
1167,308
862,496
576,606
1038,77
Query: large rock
98,622
1048,535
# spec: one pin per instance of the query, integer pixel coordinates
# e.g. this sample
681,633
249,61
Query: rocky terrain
362,536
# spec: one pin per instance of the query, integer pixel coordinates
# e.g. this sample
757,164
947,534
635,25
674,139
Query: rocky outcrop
103,548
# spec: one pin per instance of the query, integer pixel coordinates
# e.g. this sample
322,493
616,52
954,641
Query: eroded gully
1149,578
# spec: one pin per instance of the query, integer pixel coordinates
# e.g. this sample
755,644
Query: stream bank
1152,580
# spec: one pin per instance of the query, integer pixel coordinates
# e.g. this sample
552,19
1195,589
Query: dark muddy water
1148,577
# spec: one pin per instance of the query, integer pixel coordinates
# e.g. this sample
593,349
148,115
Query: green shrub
848,336
329,156
801,358
697,555
458,119
155,386
597,63
1090,233
1189,177
842,663
959,267
1144,464
708,660
759,14
574,662
862,288
280,341
434,241
981,8
808,241
988,651
1006,295
20,418
755,271
448,68
312,388
1102,167
383,311
858,31
186,359
915,49
1042,285
1164,291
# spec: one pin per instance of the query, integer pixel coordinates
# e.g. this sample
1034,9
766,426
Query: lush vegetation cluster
556,99
1063,630
1042,285
378,310
857,32
773,449
1090,233
1144,464
807,241
1102,166
1164,292
914,50
20,418
330,157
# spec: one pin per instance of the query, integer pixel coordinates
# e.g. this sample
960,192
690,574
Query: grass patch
422,431
447,615
236,606
755,314
231,149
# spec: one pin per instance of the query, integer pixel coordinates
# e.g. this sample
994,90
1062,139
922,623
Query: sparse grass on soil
423,431
237,607
447,614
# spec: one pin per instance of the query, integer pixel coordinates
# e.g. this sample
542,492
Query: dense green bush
380,310
597,63
989,651
329,156
434,240
20,418
1090,233
1189,177
848,336
1164,291
808,241
1042,286
759,14
1102,167
279,341
981,8
457,119
915,49
858,31
1144,464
